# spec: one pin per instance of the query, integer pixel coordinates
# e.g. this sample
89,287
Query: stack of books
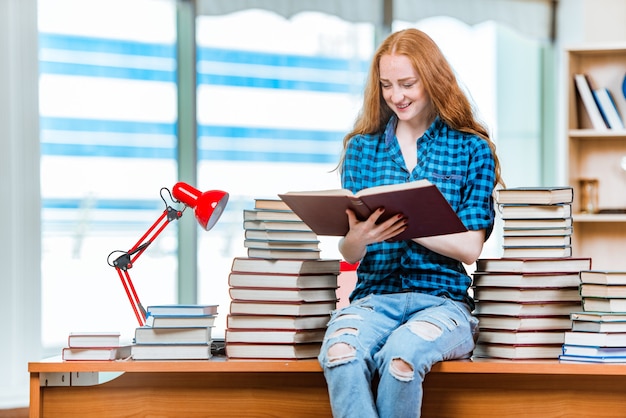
95,346
524,305
281,300
175,332
273,230
537,221
598,332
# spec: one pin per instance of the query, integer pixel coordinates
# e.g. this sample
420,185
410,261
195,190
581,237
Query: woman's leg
443,331
354,335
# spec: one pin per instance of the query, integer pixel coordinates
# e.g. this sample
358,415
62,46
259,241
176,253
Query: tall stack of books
524,299
92,345
524,305
537,221
598,332
175,332
281,299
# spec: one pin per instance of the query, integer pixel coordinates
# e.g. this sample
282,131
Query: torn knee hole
344,331
340,351
426,330
401,370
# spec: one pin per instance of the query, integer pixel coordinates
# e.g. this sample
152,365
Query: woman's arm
464,246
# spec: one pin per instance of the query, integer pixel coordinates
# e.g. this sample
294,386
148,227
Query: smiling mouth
403,106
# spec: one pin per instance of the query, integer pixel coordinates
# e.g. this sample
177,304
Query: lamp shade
207,206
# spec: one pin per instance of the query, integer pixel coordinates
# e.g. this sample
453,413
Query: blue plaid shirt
463,168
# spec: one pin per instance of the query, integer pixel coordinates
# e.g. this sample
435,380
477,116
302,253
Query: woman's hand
362,233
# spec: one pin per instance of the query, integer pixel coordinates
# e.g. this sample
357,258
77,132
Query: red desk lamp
207,207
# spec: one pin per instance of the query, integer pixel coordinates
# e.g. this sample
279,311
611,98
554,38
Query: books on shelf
526,294
285,266
325,210
274,336
518,352
283,294
91,339
288,322
173,335
171,352
282,280
608,109
525,323
518,337
281,308
585,93
96,353
272,351
534,265
519,280
536,195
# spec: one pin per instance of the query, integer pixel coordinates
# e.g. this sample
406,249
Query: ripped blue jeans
378,350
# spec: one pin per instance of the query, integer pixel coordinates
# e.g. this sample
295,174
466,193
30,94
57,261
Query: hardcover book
274,336
603,277
276,280
536,195
283,308
276,321
508,294
534,265
282,294
273,351
525,323
541,279
427,210
286,266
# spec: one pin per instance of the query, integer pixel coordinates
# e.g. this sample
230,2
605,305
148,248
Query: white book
608,109
586,95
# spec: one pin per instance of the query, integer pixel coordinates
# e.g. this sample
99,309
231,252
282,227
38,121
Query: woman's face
402,88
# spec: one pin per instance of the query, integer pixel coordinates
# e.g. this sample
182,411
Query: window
108,141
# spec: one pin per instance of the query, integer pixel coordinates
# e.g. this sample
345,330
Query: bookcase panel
597,154
604,242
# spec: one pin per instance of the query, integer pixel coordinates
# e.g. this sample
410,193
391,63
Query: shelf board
593,133
599,217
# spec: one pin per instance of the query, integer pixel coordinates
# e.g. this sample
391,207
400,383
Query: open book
427,210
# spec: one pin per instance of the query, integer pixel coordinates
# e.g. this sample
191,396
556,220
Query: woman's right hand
362,233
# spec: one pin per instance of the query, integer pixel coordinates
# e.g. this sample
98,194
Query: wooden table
229,388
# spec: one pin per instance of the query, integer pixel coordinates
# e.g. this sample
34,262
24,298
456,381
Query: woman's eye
408,86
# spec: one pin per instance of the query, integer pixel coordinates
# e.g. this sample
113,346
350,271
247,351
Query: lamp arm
126,260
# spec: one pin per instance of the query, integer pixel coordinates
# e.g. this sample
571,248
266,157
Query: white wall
20,312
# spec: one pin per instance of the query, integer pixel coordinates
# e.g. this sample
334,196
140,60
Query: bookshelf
597,154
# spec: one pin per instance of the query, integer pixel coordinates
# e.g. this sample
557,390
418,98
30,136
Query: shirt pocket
450,186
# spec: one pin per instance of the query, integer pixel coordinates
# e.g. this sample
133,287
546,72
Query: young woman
410,308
